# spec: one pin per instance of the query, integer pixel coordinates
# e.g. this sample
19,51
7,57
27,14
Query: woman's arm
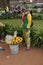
29,17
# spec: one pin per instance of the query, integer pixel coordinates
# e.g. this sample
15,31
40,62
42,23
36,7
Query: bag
32,24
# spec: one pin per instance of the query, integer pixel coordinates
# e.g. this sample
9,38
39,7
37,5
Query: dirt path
32,57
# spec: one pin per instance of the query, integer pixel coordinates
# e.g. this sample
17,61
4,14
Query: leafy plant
9,29
2,32
36,38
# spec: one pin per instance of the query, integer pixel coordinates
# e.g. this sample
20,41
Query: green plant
9,29
37,16
10,16
34,10
36,38
2,32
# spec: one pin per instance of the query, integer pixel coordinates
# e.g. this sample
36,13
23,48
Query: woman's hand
26,29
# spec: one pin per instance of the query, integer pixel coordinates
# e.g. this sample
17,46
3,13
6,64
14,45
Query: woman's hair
31,12
23,9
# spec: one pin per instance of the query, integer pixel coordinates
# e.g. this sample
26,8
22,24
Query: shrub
34,10
36,34
7,16
37,16
10,16
9,29
36,38
2,32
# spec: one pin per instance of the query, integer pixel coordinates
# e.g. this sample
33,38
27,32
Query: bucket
14,49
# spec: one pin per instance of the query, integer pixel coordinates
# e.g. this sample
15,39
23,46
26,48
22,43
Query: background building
11,3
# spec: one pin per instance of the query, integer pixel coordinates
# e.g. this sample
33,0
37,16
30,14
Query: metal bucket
14,49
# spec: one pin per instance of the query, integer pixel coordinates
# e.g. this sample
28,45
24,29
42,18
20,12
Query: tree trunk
5,3
8,1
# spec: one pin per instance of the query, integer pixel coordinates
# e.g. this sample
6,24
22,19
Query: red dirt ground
32,57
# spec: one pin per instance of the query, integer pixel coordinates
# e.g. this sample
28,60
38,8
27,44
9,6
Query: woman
26,25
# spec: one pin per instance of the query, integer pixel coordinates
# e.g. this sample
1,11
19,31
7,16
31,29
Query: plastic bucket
14,49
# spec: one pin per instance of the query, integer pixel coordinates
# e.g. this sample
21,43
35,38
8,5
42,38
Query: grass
14,22
38,24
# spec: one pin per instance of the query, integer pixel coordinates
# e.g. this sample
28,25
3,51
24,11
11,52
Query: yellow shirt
29,18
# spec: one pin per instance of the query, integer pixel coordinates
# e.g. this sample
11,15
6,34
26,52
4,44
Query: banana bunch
16,40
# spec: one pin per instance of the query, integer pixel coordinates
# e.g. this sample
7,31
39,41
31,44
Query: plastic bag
8,38
15,33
